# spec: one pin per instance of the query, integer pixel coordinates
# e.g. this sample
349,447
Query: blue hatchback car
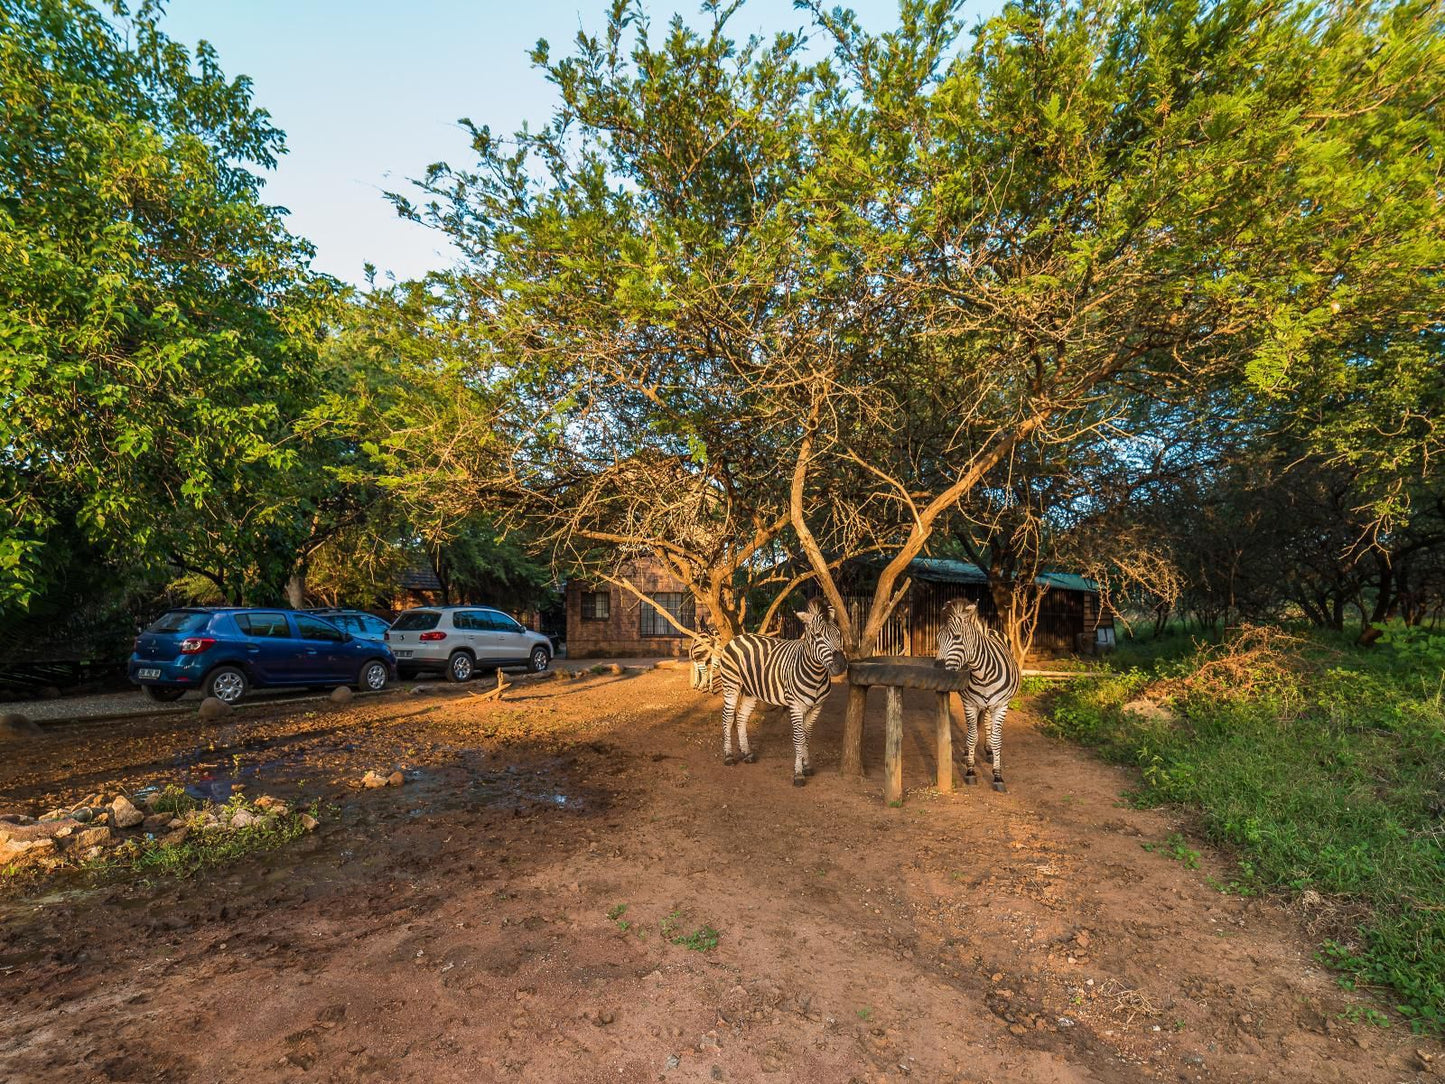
225,652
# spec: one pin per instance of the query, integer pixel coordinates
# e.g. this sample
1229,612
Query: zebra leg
970,715
730,702
808,720
995,741
800,748
745,712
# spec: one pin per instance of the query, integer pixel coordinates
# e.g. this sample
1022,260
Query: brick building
604,620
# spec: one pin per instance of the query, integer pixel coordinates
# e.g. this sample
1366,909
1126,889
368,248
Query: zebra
792,674
704,653
965,643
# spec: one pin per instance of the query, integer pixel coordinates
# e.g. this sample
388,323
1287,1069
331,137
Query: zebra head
822,638
959,634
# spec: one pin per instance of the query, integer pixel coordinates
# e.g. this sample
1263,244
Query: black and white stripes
792,674
966,643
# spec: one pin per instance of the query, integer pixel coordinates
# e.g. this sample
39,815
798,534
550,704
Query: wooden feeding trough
896,673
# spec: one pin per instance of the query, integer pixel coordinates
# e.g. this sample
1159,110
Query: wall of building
620,635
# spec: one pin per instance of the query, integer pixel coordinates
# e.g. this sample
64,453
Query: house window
679,604
596,605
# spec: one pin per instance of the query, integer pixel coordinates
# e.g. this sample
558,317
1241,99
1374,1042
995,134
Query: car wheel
161,694
460,666
540,659
226,683
373,676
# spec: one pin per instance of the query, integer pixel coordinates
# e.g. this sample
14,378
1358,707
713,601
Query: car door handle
310,651
252,649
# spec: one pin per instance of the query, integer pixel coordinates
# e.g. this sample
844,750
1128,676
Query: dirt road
538,903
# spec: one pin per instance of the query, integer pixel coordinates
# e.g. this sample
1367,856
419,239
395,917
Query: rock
176,822
83,813
14,818
156,821
244,818
309,822
371,780
87,838
342,694
419,690
35,830
395,779
1017,1030
214,708
124,814
273,805
20,853
616,668
170,839
15,725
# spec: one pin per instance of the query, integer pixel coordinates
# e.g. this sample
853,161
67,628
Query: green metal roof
939,570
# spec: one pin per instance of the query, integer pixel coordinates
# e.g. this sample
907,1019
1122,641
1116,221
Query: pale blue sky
368,94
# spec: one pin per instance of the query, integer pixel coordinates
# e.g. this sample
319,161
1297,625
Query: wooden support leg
852,761
945,745
893,749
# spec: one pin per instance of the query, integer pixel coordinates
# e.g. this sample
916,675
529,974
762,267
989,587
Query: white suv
458,640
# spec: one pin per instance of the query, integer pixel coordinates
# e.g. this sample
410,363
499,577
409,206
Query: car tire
541,658
373,676
162,694
461,666
227,684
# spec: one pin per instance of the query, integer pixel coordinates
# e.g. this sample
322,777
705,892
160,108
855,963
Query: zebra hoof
970,780
998,785
730,760
751,758
799,781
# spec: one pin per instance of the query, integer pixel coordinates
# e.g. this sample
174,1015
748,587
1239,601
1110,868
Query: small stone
342,694
213,708
15,725
91,837
1082,939
1016,1029
273,805
395,779
82,813
176,822
244,818
1064,1022
156,821
716,1072
371,780
309,822
419,690
672,1061
124,813
26,852
170,839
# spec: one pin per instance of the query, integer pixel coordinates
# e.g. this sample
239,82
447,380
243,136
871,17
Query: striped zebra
792,674
705,655
966,643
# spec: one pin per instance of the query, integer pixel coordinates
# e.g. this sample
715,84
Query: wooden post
945,745
893,748
852,762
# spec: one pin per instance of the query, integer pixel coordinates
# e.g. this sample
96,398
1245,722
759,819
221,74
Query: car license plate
147,674
402,654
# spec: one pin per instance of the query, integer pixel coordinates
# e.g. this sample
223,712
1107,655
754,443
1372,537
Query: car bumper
182,673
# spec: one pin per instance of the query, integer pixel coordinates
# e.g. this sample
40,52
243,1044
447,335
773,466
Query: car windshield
417,621
180,621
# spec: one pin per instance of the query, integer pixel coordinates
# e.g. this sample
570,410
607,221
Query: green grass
702,939
201,850
1322,768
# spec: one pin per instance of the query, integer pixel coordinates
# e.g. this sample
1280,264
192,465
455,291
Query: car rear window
181,621
417,621
272,626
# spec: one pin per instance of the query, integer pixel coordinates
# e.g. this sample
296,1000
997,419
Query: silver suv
458,640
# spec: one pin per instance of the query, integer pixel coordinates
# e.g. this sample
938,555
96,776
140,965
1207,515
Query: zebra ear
803,615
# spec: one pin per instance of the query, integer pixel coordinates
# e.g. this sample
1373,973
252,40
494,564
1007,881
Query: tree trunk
296,589
852,762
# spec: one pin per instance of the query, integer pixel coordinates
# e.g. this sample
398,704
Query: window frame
605,596
321,625
652,625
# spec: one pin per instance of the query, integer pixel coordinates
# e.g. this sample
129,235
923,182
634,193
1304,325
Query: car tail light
195,645
429,637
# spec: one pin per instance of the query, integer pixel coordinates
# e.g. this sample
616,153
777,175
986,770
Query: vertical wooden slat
852,761
893,748
945,744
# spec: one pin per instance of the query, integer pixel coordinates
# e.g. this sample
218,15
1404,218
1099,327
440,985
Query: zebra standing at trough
966,643
793,674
